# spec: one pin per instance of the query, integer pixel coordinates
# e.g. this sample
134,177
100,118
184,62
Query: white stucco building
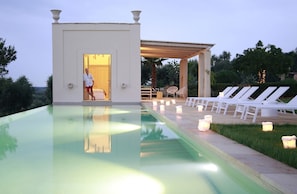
112,53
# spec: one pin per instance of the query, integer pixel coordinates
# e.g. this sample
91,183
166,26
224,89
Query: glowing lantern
289,141
267,126
221,94
167,103
173,101
208,118
203,125
162,108
155,103
162,101
200,108
179,109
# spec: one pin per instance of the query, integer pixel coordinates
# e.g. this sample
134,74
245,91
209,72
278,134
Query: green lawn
268,143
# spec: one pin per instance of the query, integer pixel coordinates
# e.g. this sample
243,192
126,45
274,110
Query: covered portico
183,51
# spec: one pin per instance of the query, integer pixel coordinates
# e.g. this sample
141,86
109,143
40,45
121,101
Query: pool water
106,150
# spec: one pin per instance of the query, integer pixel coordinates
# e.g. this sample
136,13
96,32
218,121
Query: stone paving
268,170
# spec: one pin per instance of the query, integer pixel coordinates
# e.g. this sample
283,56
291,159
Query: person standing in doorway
89,82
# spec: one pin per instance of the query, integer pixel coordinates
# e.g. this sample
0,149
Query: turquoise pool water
103,150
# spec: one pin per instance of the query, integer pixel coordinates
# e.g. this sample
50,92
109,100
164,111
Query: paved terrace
271,171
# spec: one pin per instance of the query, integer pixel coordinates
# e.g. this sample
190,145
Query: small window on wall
99,66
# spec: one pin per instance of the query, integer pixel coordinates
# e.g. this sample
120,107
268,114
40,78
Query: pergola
183,51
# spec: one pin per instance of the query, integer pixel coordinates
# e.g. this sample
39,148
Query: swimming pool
112,149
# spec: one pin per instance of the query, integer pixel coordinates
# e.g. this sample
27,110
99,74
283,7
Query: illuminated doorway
99,66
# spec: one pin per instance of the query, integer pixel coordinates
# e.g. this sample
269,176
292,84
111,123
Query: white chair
278,106
171,91
181,92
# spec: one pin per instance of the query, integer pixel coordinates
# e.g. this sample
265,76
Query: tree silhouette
7,55
153,62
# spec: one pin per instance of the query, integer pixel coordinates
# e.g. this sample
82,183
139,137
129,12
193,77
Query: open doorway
99,66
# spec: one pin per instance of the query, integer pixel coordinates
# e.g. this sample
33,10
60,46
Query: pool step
165,149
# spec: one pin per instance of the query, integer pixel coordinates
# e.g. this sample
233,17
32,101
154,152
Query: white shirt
88,80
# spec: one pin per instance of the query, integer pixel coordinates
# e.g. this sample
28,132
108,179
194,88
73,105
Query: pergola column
204,71
183,74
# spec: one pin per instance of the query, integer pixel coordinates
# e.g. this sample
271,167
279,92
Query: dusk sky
232,25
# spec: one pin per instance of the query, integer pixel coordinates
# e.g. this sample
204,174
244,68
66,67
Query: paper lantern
221,94
267,126
167,103
173,101
203,125
289,141
155,103
208,118
179,109
200,108
162,101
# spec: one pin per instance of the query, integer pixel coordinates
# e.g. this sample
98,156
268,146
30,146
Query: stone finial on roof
56,15
136,14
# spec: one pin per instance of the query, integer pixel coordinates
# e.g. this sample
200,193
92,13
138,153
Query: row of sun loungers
243,103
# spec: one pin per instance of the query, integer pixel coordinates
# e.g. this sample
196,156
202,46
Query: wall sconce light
200,108
155,103
173,101
208,118
70,85
162,107
267,126
203,125
123,86
167,103
289,141
179,109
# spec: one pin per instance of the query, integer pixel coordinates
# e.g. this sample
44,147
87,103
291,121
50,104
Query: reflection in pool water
117,149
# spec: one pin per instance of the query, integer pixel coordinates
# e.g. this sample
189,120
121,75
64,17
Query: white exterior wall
71,41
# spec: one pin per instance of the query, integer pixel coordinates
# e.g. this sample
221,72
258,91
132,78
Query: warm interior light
203,125
179,109
200,108
267,126
289,141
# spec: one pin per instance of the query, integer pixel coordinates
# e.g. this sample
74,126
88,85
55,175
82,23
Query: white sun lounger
191,101
272,99
216,102
279,106
241,105
225,103
204,101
